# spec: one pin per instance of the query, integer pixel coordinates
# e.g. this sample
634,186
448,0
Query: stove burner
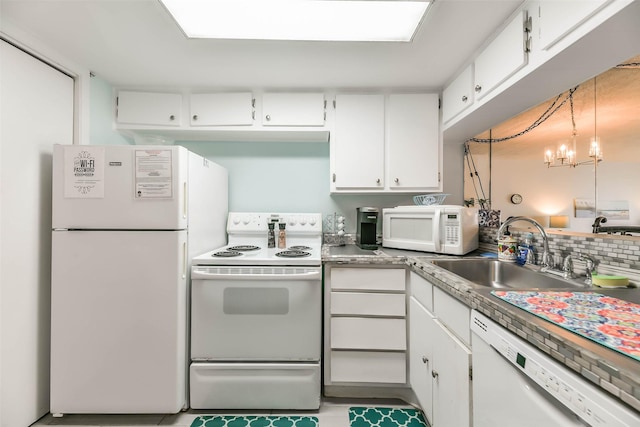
227,254
299,248
244,248
292,254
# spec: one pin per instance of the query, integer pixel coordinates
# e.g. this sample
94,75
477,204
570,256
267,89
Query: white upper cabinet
293,109
222,109
146,108
559,18
386,143
458,96
505,55
413,141
357,143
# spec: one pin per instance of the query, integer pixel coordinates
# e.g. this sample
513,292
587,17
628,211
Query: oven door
256,313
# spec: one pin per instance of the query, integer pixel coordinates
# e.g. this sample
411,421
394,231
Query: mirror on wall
542,163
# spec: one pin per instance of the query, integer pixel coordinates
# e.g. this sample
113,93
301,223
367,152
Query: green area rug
253,421
386,417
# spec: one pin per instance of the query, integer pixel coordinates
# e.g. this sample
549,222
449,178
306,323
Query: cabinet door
413,141
458,95
293,109
358,142
145,108
222,109
505,55
559,18
451,383
453,313
421,324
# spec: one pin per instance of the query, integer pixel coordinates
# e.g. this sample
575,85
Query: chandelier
566,155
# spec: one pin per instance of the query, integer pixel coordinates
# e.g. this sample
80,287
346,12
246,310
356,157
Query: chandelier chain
548,113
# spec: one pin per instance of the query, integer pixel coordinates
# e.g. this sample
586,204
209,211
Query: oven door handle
254,273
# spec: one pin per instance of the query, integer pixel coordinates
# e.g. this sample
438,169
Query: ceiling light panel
317,20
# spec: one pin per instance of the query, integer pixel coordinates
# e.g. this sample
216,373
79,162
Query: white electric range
256,316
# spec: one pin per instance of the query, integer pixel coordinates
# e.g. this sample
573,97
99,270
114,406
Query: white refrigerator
126,222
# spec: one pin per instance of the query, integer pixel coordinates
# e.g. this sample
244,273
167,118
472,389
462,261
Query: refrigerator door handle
185,201
184,260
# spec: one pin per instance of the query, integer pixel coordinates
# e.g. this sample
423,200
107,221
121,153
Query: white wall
551,191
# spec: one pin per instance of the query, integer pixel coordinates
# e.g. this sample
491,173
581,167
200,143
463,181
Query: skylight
317,20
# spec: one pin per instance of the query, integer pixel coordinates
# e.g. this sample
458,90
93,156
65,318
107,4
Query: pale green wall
101,114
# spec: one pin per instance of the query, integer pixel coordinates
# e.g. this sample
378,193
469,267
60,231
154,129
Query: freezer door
120,187
118,321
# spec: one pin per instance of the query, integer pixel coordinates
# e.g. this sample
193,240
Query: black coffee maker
367,224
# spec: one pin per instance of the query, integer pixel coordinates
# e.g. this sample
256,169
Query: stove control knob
236,220
246,220
312,221
303,220
292,221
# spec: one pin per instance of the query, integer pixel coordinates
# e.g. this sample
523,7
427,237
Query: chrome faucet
590,268
546,255
567,268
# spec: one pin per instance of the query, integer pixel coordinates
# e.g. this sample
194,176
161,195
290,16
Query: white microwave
443,229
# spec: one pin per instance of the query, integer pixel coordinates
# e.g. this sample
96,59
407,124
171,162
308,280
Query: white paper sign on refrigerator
84,172
153,177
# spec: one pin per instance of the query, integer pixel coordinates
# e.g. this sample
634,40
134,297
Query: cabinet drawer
373,279
372,304
368,333
368,367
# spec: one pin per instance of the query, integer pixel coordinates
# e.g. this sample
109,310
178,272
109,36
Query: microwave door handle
436,227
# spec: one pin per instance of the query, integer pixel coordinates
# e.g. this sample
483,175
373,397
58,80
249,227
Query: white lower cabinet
421,323
439,361
365,326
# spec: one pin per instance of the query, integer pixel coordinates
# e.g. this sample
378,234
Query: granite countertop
611,371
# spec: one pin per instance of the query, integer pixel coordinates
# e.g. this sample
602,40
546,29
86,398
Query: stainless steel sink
492,273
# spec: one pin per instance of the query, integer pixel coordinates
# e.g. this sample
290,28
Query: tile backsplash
616,252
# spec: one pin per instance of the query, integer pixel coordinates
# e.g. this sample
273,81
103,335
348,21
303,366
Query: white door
36,111
358,142
421,325
146,108
451,381
222,109
413,141
118,321
256,313
120,187
293,109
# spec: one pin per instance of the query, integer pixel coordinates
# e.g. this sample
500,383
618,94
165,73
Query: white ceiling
135,43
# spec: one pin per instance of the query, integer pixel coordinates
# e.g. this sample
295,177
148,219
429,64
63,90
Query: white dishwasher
515,384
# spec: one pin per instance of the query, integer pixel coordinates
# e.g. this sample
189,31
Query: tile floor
332,413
